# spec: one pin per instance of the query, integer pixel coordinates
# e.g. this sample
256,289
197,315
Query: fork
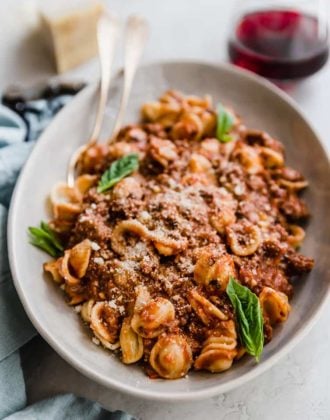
135,39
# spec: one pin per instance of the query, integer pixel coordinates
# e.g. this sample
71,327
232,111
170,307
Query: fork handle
107,34
135,39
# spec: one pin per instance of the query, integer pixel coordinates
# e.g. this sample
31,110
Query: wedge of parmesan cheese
69,29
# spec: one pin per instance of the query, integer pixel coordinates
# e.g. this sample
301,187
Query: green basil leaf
44,238
249,317
44,245
224,123
52,236
118,170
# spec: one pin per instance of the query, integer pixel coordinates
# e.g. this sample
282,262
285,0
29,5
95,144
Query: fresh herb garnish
249,317
44,238
117,171
224,123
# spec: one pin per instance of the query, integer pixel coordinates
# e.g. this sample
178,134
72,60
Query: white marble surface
297,388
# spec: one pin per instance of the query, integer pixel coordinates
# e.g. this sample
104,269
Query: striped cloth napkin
18,134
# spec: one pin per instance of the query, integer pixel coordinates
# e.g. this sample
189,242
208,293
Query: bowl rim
108,382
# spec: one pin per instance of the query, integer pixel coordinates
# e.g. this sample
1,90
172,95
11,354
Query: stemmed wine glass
284,41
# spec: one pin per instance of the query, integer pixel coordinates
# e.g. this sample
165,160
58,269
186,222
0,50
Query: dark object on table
38,105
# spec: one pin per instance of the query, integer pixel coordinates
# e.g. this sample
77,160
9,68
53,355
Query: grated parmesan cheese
95,246
112,304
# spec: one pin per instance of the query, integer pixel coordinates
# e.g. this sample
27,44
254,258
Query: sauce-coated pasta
146,263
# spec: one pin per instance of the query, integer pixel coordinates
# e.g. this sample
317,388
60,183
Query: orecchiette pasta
120,149
66,201
151,320
201,165
53,267
219,349
296,235
86,310
65,271
189,126
161,112
209,148
75,262
128,187
249,158
130,342
171,356
92,157
147,262
104,323
79,257
243,238
135,227
85,182
164,245
163,151
215,269
275,305
222,219
76,293
293,185
271,157
224,212
207,312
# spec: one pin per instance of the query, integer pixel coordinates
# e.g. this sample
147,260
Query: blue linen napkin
17,137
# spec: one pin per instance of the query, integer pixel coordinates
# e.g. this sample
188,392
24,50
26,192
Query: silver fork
107,34
135,39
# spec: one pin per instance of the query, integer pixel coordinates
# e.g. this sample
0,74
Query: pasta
86,310
171,356
214,268
131,343
53,267
243,238
219,349
206,311
104,323
275,305
65,201
151,318
148,261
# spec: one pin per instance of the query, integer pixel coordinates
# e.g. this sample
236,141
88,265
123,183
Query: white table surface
298,387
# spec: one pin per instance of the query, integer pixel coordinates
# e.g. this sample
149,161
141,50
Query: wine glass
284,41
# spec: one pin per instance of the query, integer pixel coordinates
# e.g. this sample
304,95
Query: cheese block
69,29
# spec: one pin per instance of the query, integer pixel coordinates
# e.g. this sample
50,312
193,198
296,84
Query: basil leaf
117,171
44,238
249,317
46,229
224,123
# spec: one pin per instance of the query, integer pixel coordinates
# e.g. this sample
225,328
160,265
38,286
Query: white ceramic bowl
261,106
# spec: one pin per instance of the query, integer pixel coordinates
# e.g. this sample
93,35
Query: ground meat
287,173
189,196
261,138
297,264
293,208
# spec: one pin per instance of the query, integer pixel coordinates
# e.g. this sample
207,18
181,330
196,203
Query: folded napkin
18,134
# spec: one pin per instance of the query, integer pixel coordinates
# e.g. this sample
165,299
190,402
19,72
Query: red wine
279,44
